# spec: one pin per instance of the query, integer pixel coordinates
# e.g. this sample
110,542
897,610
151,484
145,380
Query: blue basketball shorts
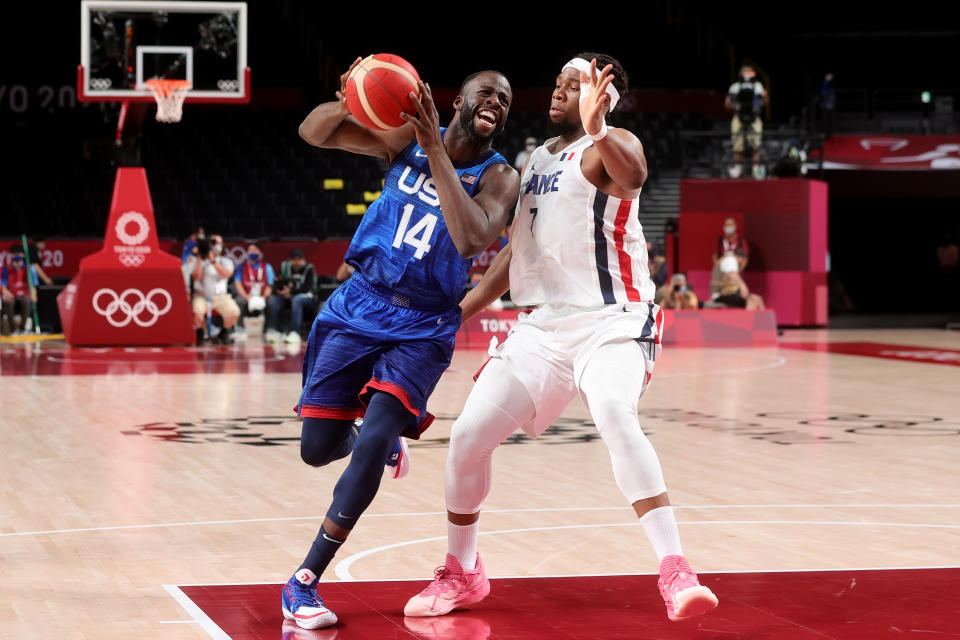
361,342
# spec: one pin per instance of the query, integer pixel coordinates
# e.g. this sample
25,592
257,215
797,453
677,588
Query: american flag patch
469,179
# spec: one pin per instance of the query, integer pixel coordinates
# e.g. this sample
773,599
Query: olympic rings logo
238,254
130,259
143,228
143,303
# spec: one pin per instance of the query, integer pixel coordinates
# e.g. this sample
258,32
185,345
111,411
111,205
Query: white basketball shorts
548,349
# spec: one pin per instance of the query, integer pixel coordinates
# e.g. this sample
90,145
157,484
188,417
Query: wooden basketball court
159,493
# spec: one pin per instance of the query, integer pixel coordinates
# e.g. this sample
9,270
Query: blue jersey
402,245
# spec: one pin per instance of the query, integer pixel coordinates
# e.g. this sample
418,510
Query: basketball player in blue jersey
382,340
577,254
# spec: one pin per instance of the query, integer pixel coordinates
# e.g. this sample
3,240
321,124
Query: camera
679,288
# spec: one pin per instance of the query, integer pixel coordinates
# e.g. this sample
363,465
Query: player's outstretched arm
495,283
473,222
620,151
331,126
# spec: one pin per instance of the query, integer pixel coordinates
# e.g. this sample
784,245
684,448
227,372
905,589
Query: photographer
211,274
747,99
677,294
296,289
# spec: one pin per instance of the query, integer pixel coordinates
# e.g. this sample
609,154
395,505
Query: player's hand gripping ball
378,90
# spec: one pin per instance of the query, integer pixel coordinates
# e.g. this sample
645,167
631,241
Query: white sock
661,528
462,543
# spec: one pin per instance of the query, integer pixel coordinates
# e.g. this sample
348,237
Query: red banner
886,152
61,258
130,292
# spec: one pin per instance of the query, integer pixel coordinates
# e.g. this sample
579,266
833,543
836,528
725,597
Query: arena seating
246,173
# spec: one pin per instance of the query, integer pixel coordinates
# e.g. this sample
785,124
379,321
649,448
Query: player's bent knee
313,455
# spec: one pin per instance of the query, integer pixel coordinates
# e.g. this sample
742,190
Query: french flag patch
567,156
467,178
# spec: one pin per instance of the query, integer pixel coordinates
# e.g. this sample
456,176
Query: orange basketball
378,91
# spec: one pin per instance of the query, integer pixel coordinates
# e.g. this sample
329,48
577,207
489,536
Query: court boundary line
342,568
579,575
200,523
195,612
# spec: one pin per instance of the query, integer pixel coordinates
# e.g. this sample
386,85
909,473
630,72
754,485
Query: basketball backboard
125,43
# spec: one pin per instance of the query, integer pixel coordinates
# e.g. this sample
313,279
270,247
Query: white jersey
573,244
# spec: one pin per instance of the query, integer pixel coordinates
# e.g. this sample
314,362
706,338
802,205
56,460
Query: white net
169,95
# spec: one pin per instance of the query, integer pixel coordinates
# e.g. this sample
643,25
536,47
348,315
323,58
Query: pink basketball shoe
683,594
452,587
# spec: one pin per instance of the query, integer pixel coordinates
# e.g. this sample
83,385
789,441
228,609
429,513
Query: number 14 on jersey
419,234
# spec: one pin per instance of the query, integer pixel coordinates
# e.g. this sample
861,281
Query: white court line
161,525
779,362
343,567
196,612
594,575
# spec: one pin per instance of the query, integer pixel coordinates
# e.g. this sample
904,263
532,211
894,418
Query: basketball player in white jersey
577,251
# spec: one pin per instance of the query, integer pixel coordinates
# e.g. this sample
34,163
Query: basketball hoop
169,95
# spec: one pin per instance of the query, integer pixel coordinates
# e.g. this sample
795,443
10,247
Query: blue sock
321,552
385,418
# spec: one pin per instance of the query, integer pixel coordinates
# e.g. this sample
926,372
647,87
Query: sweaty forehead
492,80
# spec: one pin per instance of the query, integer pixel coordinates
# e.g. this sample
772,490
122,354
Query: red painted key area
849,604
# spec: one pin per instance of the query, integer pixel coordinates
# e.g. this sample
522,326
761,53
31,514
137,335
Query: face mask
729,230
218,249
253,257
17,261
531,147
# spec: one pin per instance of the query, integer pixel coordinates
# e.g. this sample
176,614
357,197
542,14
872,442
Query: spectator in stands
656,264
731,244
16,291
677,294
298,292
746,98
529,145
211,275
253,281
189,262
36,261
190,243
730,291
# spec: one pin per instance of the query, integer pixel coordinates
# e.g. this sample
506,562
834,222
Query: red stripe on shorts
395,390
331,413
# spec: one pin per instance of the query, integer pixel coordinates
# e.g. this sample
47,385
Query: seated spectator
656,264
730,291
36,262
677,294
254,282
16,290
189,262
529,146
732,244
211,276
298,292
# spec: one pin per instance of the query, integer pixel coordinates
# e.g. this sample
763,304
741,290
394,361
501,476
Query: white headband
583,65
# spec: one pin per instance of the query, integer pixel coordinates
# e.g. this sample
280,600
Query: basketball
378,91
